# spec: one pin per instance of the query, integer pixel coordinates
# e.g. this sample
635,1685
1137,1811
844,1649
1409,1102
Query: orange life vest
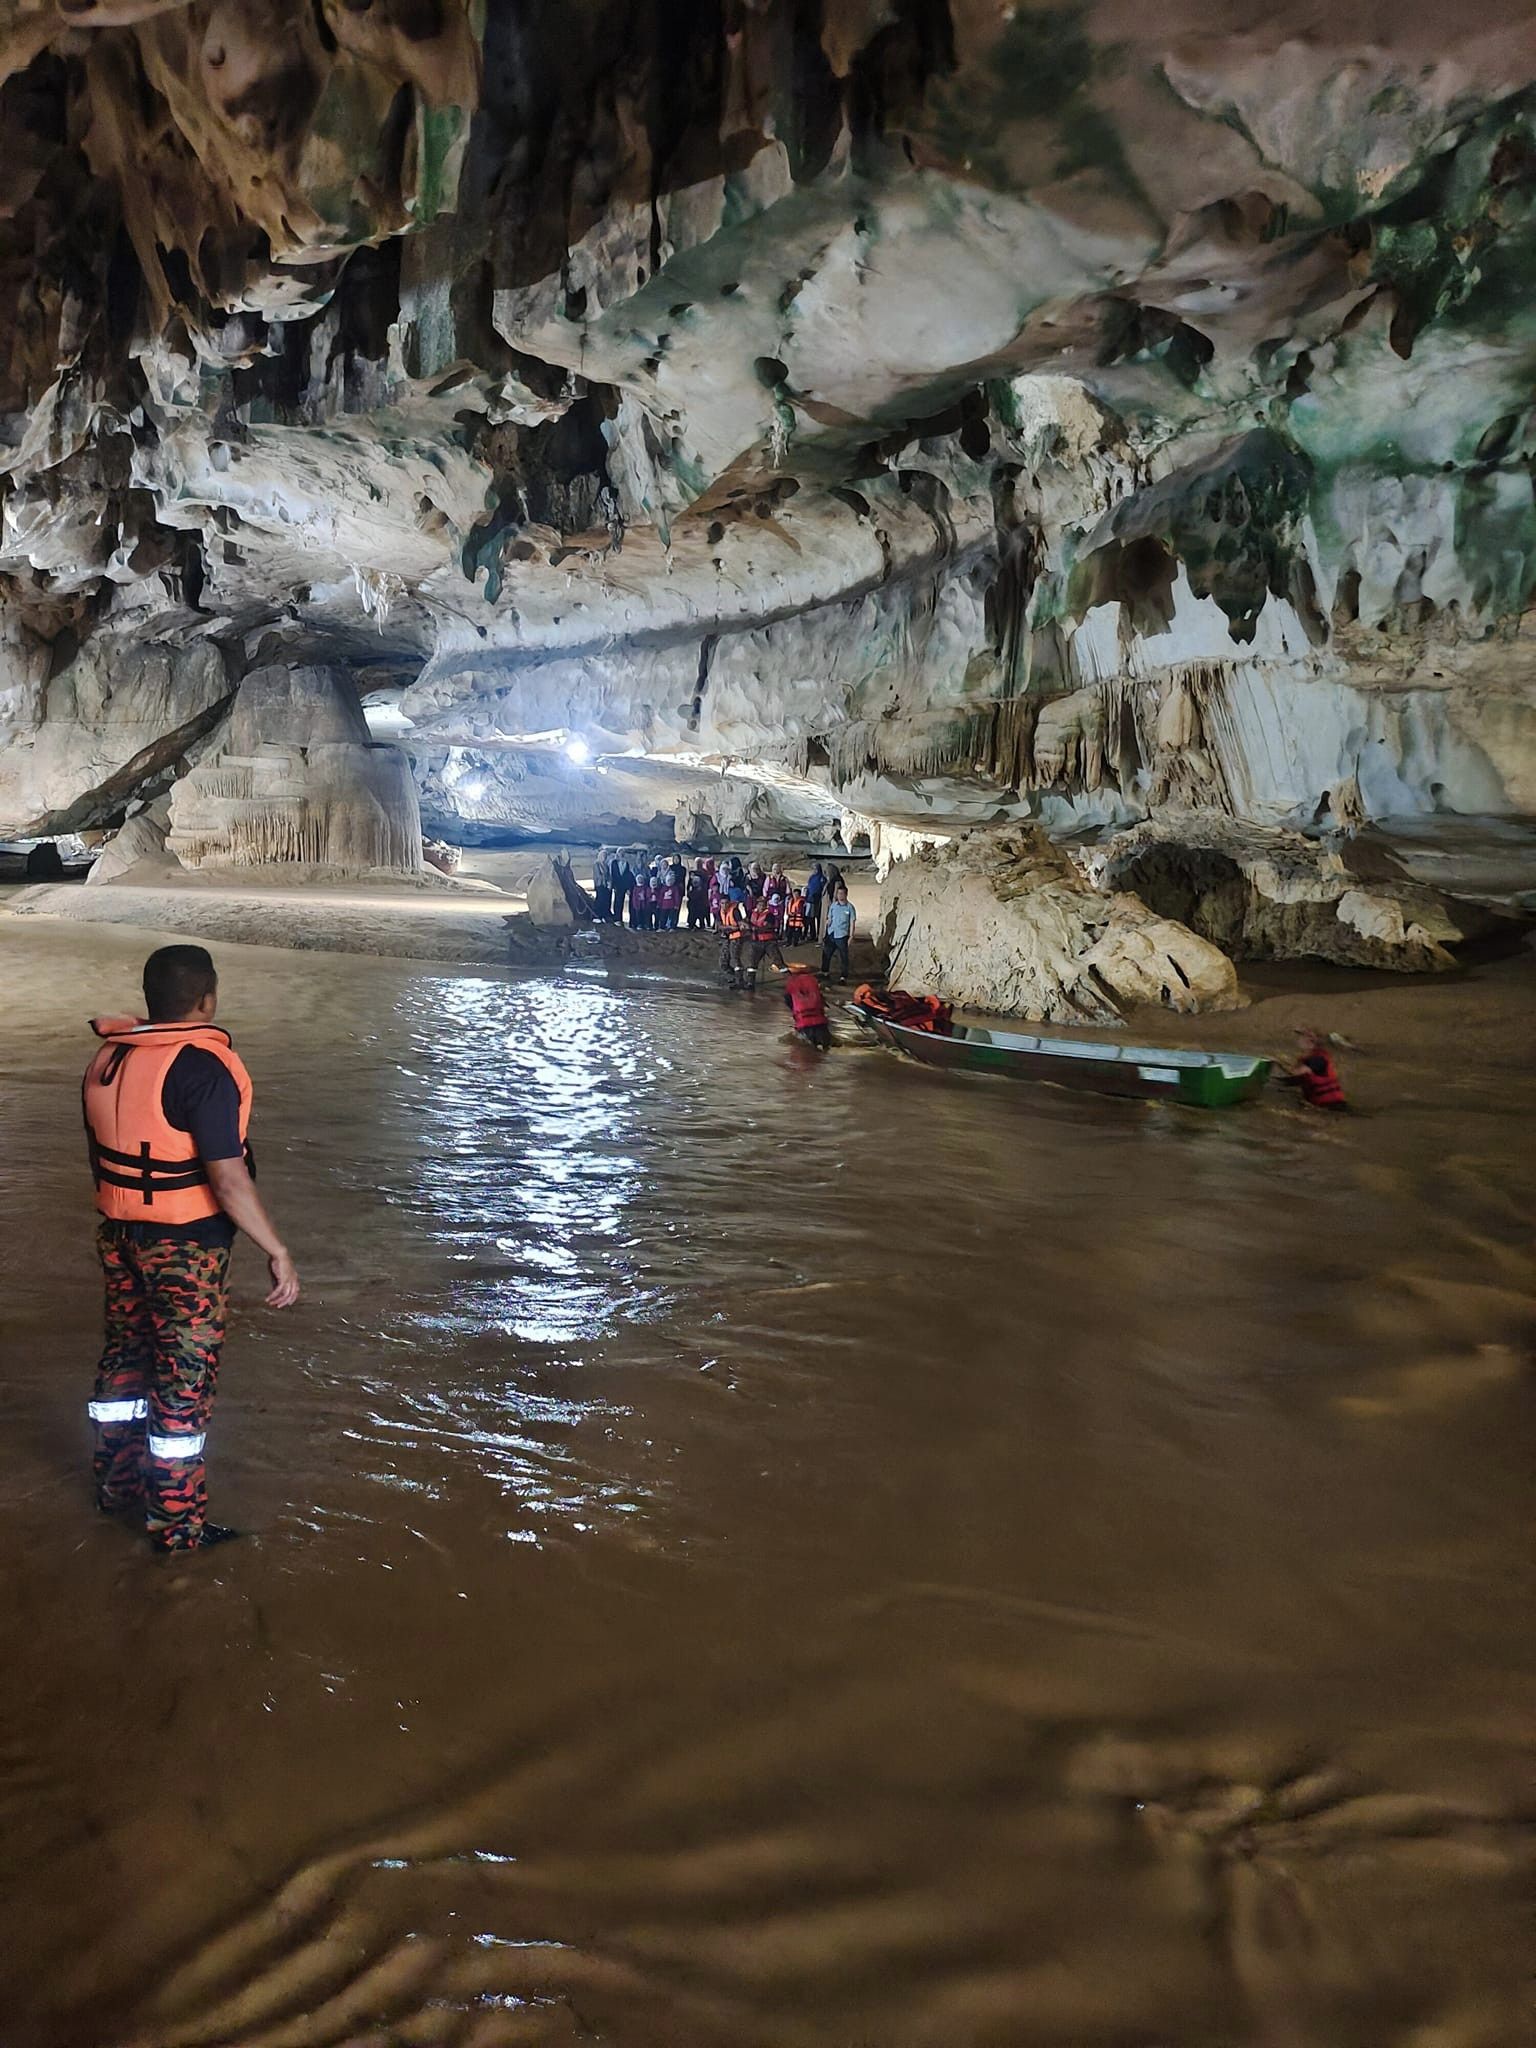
913,1013
733,919
807,1006
765,919
146,1171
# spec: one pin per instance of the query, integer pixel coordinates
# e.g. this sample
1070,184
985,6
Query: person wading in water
1315,1073
807,1005
167,1105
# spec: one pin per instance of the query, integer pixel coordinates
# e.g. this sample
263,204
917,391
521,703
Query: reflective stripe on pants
175,1448
117,1411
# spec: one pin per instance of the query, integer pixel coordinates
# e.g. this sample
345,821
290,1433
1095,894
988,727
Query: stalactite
349,832
1189,736
259,833
999,740
849,751
993,740
1109,733
226,781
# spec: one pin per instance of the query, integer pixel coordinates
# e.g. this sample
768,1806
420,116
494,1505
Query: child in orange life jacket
806,1005
1316,1075
736,938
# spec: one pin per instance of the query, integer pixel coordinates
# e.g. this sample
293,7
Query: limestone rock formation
1261,893
117,722
138,848
938,414
556,900
1004,922
296,778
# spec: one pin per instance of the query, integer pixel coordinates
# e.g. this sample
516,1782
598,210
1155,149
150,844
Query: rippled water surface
750,1549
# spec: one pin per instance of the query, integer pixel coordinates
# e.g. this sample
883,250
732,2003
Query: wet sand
751,1549
477,920
444,924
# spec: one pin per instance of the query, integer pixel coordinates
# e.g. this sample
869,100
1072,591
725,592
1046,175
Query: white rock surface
1004,922
1262,893
138,848
297,780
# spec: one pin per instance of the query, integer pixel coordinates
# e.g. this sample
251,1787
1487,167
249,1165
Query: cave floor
460,923
466,926
759,1550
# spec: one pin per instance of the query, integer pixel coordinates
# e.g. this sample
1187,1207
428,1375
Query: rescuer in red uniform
1316,1075
167,1105
807,1005
764,923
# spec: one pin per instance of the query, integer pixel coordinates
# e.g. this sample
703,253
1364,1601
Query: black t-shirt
199,1097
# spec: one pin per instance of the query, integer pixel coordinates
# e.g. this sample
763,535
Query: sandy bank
466,927
477,927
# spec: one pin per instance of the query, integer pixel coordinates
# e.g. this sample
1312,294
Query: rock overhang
840,400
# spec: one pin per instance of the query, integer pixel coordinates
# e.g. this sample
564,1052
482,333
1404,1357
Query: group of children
655,890
757,911
783,909
651,889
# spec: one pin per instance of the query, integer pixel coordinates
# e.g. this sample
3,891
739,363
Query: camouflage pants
165,1307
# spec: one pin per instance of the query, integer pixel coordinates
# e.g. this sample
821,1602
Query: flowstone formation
294,778
927,413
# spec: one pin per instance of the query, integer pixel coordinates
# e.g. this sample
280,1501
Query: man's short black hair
175,981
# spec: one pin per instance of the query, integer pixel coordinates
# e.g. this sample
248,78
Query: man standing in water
167,1105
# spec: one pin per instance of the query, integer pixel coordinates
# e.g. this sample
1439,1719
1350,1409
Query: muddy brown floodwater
751,1550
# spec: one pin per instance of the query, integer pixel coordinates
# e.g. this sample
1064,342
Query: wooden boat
1208,1080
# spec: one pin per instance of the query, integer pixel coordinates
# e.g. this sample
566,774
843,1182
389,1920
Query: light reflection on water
550,1074
527,1110
763,1552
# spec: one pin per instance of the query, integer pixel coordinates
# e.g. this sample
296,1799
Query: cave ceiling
857,387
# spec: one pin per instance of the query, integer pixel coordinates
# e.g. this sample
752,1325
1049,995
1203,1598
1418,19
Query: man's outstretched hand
285,1281
235,1193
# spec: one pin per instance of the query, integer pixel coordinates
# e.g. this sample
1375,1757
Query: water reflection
529,1176
527,1096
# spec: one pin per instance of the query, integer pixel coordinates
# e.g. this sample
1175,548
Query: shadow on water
760,1549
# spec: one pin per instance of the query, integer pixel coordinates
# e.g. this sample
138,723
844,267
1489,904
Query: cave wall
117,721
503,796
944,414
